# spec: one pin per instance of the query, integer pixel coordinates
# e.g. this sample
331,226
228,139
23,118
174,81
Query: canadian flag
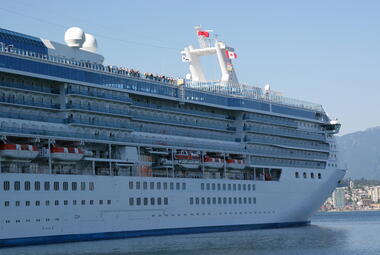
231,54
203,33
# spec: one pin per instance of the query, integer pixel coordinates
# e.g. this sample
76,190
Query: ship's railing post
203,164
109,157
49,156
225,166
172,161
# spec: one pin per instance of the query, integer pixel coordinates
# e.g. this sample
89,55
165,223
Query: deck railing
221,88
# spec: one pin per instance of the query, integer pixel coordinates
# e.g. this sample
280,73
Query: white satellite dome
74,37
90,43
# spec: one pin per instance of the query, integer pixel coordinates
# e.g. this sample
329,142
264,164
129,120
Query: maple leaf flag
231,54
203,33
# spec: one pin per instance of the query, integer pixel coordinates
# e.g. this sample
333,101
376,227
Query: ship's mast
224,53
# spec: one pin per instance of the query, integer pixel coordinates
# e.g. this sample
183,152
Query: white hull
302,200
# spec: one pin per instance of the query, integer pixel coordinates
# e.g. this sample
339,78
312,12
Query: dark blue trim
140,233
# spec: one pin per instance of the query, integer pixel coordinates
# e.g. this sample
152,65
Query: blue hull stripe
140,233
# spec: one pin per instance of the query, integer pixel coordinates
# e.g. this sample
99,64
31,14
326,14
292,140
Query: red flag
203,33
231,54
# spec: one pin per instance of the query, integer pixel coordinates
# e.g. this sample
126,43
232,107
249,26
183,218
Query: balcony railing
282,122
279,141
99,95
28,102
184,122
181,110
290,133
290,154
29,87
34,117
99,109
107,124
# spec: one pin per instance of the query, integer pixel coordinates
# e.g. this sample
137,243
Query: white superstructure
92,152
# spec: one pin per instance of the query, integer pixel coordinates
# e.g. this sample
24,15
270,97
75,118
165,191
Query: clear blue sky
326,52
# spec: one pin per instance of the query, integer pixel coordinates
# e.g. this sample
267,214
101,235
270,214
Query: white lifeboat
66,153
187,159
19,151
216,163
235,164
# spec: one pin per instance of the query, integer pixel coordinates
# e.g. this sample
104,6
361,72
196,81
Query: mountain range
361,151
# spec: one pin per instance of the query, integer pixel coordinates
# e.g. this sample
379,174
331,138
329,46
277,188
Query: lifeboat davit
66,153
215,163
187,159
19,151
236,164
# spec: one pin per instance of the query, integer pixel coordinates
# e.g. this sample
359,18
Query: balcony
28,102
291,154
107,110
287,132
287,143
101,95
287,162
23,116
274,121
29,87
183,122
181,110
97,123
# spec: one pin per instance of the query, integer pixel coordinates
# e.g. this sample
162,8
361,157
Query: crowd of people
135,73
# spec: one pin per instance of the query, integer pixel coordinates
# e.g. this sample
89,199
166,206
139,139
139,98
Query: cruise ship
90,151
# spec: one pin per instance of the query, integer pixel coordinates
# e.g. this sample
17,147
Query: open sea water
329,233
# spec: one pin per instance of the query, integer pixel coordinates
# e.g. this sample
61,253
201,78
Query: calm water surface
330,233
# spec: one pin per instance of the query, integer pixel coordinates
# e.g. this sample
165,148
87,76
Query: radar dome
90,43
74,37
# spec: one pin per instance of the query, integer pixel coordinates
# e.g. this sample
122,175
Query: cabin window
177,186
159,201
47,185
138,185
319,176
183,185
304,175
6,185
191,200
312,175
145,185
91,186
152,200
171,185
165,185
16,185
27,185
37,203
74,186
101,202
297,175
165,201
17,203
145,201
6,203
130,201
56,185
130,185
65,185
83,186
158,185
56,202
197,200
151,185
27,203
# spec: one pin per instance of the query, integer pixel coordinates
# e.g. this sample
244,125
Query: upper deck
214,93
